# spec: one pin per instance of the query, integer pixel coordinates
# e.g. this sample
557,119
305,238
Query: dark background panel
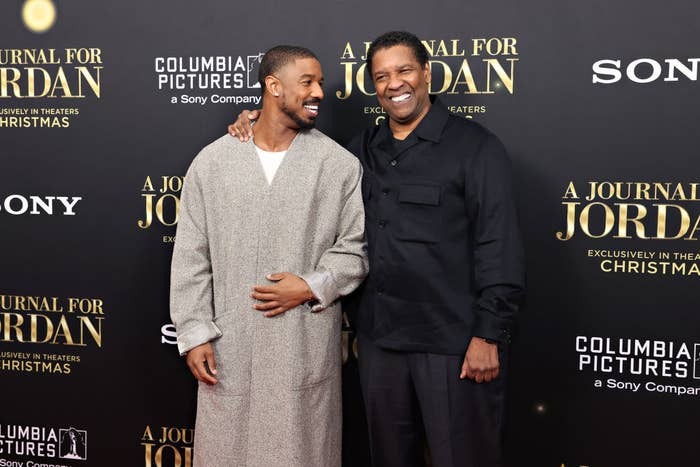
557,125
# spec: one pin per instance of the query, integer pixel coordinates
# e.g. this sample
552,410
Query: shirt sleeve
498,252
343,267
191,292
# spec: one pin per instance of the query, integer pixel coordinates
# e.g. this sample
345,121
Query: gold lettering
468,78
360,77
148,453
96,334
159,209
695,229
8,327
593,186
31,82
602,187
171,184
624,220
348,81
643,188
609,219
148,185
447,80
570,191
176,453
33,320
367,44
663,188
618,190
662,217
506,79
147,434
63,331
455,49
442,49
6,82
509,46
61,82
570,222
678,193
149,212
347,52
93,82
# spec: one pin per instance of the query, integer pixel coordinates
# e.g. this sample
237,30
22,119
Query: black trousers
410,395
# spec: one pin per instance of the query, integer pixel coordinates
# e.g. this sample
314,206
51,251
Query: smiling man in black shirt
446,271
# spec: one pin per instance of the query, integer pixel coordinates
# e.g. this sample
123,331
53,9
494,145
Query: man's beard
301,123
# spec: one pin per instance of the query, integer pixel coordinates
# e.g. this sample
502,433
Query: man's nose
394,82
317,91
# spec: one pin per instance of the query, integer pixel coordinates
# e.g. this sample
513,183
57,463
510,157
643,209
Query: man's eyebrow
397,67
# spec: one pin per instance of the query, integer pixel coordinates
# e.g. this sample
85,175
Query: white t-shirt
270,162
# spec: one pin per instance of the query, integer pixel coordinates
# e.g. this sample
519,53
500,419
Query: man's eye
380,77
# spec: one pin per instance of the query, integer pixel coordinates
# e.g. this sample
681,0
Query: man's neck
271,135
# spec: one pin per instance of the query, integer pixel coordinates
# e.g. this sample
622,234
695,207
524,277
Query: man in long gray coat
270,235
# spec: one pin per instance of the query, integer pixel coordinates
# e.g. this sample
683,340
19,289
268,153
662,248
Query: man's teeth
313,108
401,98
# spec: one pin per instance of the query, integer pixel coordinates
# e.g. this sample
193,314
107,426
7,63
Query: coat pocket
313,347
420,215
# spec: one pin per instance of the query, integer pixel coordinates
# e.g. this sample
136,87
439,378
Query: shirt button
385,191
380,290
382,224
393,163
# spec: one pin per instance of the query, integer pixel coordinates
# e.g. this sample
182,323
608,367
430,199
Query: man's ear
272,84
426,73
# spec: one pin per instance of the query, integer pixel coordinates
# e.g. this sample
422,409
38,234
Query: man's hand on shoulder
201,359
288,292
481,361
242,128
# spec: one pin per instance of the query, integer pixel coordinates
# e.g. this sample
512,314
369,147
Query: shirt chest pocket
420,214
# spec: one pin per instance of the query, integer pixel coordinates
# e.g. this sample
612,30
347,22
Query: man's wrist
488,340
309,294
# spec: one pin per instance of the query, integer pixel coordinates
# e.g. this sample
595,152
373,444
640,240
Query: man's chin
400,118
302,123
306,124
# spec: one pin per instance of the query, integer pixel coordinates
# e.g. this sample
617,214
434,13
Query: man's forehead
394,56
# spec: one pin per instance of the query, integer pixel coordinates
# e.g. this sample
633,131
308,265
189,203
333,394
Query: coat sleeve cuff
323,287
197,335
493,329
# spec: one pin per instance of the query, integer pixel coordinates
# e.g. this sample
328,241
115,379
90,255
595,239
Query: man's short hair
392,38
279,56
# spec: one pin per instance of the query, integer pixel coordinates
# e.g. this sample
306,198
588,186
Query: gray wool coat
278,399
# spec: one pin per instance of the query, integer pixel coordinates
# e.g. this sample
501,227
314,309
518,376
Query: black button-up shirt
446,260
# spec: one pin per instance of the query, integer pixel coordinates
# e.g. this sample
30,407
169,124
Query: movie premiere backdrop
104,104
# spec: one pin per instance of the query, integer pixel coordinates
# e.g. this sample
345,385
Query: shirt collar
430,128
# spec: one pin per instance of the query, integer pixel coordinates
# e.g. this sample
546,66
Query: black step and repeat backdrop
104,104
